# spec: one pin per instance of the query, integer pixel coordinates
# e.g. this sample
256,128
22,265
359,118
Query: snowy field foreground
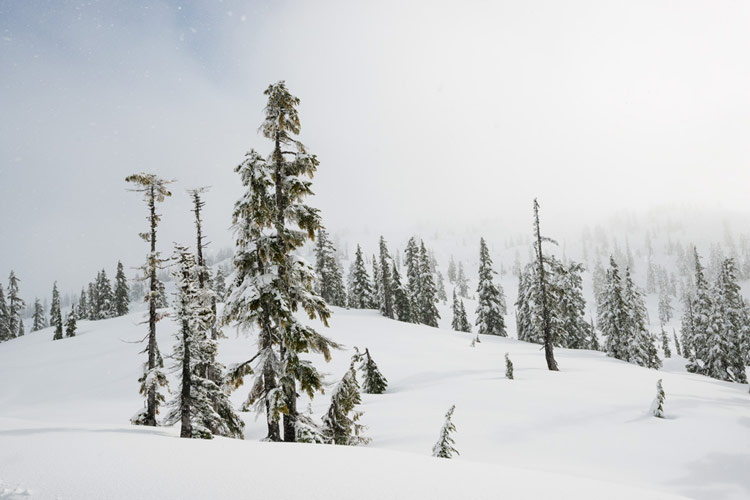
582,433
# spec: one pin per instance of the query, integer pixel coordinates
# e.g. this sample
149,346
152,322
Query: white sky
420,112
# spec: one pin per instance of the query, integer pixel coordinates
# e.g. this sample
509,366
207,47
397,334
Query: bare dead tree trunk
153,291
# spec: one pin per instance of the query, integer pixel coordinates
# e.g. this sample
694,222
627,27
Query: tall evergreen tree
641,344
386,280
360,288
271,282
55,315
665,306
723,355
413,273
459,322
16,305
462,282
201,406
611,314
105,306
154,191
665,344
70,323
4,318
698,326
83,306
220,285
38,319
122,292
427,298
376,285
401,302
490,319
330,283
452,271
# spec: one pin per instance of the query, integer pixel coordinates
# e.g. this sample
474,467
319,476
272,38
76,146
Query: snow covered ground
581,433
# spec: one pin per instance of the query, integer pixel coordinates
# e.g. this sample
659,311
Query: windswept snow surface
582,433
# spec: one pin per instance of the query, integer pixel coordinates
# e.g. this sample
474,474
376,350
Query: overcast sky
430,112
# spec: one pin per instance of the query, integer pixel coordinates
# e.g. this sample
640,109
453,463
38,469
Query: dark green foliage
55,315
373,381
401,302
360,288
70,323
385,280
490,319
460,322
4,319
16,305
121,293
38,319
427,298
329,283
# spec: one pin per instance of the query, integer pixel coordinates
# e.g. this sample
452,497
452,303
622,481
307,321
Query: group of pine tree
269,285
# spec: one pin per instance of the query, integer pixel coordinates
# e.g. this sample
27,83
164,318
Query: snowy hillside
581,433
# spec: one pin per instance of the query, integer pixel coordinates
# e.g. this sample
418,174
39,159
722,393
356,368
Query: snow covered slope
582,433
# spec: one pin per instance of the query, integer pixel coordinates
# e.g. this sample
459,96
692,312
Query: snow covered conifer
665,344
428,313
698,326
401,302
490,318
373,382
462,282
330,284
543,291
83,306
452,271
460,322
15,306
676,344
201,406
220,285
611,314
154,191
657,407
385,288
665,306
360,288
376,285
341,422
413,273
271,282
70,323
55,315
445,446
4,326
121,293
105,305
640,343
38,319
508,367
